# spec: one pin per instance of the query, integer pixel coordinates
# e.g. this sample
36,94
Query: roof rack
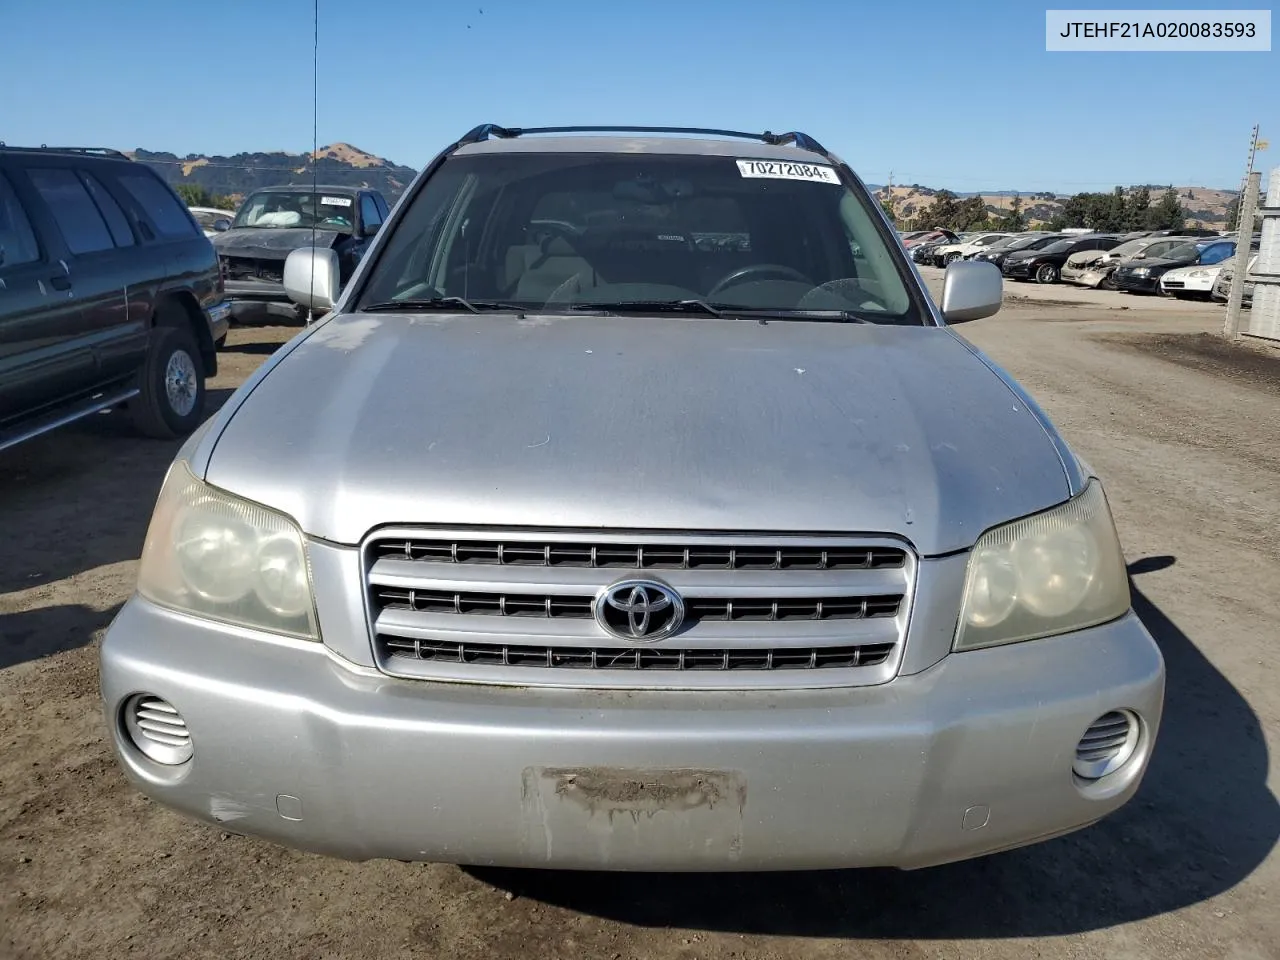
100,151
801,140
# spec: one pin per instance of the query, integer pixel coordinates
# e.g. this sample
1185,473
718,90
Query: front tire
171,403
1047,273
949,259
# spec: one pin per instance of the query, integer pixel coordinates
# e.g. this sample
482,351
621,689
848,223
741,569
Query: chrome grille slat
519,607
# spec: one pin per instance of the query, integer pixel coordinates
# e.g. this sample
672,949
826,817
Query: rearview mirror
971,290
311,277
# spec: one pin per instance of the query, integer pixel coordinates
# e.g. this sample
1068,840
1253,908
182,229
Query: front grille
522,608
696,609
250,268
640,658
1174,284
640,556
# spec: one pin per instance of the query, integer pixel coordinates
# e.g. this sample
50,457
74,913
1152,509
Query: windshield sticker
775,170
335,201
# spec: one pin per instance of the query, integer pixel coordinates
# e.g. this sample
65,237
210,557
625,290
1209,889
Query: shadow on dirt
1203,820
80,498
44,631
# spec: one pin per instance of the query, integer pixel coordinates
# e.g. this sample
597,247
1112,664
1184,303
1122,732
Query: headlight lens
1140,271
1198,273
211,554
1050,573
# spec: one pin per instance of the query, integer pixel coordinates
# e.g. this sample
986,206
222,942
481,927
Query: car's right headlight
211,554
1046,574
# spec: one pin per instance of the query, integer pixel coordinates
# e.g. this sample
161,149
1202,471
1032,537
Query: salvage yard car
1042,265
1143,276
1093,268
109,295
565,541
275,221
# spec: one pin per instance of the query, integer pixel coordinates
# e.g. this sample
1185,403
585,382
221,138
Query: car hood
1085,258
271,242
1022,254
637,423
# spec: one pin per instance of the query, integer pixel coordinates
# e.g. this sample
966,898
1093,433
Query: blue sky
944,94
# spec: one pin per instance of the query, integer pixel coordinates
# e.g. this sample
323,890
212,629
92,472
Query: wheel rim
180,386
1046,274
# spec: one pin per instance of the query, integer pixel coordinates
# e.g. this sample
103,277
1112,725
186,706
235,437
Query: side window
17,239
78,218
1216,253
118,223
160,204
369,211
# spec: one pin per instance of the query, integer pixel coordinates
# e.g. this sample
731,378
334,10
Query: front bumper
257,301
296,745
1125,281
1016,270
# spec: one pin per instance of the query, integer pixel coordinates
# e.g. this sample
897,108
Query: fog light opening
156,728
1108,744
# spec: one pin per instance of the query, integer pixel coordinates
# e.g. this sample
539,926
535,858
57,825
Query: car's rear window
556,231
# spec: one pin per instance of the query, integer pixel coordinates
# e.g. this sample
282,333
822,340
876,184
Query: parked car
1222,285
212,220
1143,276
996,255
950,252
276,220
1190,283
109,295
924,252
1092,268
931,235
1043,264
421,594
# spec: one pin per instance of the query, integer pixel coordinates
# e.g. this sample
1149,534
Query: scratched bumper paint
622,812
969,756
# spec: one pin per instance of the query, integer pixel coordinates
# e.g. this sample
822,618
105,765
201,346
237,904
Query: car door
42,356
99,247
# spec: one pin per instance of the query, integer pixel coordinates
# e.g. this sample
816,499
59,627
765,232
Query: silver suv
634,507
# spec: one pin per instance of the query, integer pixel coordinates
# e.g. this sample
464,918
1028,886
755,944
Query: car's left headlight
1199,273
1046,574
1140,271
211,554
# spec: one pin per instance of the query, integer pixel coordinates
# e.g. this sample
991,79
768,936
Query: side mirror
371,229
971,290
311,278
222,224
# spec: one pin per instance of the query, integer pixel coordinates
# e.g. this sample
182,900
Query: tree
194,195
943,212
971,213
1139,204
1014,220
1168,213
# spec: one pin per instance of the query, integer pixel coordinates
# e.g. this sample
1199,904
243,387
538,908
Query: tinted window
118,223
161,206
17,239
1217,252
77,215
1062,246
560,231
369,211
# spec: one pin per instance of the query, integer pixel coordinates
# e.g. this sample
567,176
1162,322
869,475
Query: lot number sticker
776,170
336,201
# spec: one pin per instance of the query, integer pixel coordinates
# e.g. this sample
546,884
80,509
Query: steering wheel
758,271
554,230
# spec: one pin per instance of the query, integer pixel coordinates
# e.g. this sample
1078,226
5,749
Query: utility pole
893,205
1244,235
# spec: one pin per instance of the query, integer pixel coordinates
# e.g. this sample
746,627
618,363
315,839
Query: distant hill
1204,206
240,174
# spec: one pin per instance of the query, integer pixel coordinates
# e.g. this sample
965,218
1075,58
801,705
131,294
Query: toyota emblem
641,611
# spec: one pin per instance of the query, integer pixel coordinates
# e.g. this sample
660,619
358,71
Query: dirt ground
1186,433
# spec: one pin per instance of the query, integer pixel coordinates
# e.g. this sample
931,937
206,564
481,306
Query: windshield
292,208
1182,251
1059,246
1129,248
560,231
1021,243
207,218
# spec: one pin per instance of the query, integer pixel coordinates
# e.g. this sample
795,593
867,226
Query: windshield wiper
441,303
655,306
